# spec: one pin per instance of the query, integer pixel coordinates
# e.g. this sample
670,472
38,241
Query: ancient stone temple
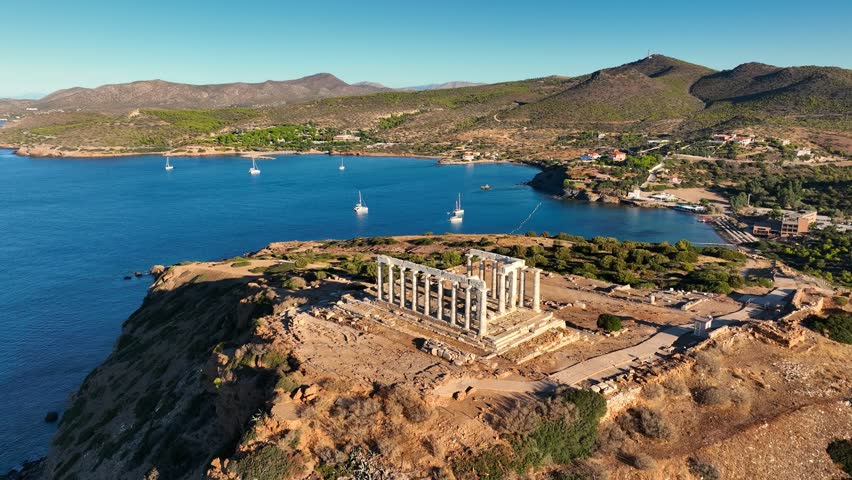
497,301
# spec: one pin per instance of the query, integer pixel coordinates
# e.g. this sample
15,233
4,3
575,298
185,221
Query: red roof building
618,155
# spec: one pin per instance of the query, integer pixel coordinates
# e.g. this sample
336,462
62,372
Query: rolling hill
654,88
653,94
162,94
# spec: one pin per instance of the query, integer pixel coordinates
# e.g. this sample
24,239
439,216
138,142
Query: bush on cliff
609,322
265,463
840,452
837,326
561,431
295,283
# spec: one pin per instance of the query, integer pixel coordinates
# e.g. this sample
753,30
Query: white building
664,197
345,137
636,194
701,326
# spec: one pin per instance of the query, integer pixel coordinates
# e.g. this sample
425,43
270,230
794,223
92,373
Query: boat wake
526,219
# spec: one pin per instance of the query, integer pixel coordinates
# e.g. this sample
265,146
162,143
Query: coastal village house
721,138
590,156
743,140
617,156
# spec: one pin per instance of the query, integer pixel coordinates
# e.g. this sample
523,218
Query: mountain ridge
653,94
164,94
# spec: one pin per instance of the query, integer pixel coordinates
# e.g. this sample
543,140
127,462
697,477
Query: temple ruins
495,305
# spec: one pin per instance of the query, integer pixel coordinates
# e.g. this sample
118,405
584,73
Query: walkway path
609,363
613,361
493,384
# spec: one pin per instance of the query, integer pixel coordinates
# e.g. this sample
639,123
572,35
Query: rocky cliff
158,404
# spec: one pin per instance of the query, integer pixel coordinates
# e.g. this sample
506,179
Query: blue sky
49,45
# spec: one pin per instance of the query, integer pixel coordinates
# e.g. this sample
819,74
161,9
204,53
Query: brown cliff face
155,404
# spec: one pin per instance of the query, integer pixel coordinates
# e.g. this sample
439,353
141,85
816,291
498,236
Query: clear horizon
56,45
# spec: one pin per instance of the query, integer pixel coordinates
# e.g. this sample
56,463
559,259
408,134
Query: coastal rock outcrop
157,270
151,406
549,180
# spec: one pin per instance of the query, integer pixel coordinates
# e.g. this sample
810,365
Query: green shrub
841,301
288,382
555,440
275,359
265,463
368,271
837,326
840,452
609,322
280,268
295,283
316,276
241,263
451,258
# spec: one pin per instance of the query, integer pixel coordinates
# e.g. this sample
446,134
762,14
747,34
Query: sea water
72,229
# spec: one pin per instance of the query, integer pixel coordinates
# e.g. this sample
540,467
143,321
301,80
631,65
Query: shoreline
199,151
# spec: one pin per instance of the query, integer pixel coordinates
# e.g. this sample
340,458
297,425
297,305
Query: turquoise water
71,229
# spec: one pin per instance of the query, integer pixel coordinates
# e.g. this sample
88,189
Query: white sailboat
458,211
254,170
360,207
341,167
168,165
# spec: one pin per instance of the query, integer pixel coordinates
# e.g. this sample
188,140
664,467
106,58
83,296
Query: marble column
390,283
469,264
440,299
501,293
482,269
414,290
467,307
483,312
379,281
536,300
513,290
401,287
427,295
523,291
453,303
495,265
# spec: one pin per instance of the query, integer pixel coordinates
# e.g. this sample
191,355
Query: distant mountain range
171,95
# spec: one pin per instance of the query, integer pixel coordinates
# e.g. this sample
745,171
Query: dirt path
493,384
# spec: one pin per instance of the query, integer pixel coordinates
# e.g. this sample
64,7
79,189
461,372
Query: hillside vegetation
522,118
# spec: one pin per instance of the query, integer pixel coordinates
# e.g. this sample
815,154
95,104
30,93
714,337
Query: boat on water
168,165
342,166
254,170
458,211
485,187
360,207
